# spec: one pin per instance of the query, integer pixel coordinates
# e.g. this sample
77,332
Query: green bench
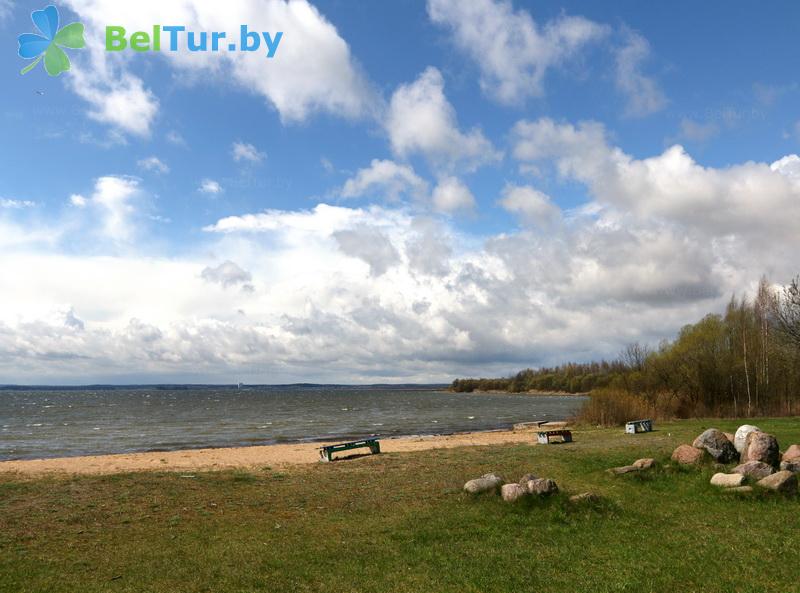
326,452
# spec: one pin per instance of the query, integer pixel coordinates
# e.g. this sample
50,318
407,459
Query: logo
48,45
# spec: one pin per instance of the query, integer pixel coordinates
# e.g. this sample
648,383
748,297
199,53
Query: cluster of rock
757,453
528,485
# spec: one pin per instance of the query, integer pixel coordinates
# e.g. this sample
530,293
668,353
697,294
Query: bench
635,426
326,452
545,436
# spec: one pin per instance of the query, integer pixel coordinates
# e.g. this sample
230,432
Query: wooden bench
635,426
326,452
545,436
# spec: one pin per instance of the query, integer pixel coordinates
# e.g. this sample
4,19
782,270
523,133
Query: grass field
400,523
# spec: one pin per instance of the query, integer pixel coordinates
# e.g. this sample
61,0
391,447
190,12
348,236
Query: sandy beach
244,457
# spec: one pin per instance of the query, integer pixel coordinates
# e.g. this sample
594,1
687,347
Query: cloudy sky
407,191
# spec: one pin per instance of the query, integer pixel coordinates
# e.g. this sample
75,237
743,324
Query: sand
275,456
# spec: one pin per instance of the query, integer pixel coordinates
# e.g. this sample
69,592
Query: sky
407,191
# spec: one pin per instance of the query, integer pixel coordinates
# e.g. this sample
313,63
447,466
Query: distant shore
529,392
244,457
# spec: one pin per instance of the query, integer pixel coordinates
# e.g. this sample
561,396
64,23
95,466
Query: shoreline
277,455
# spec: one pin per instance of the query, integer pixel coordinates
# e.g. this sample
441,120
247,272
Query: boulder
754,469
512,492
783,481
761,446
541,487
584,497
688,455
625,469
727,480
645,463
730,436
740,438
523,481
485,483
717,444
793,452
793,465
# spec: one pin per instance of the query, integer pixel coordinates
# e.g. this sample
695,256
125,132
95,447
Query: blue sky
408,191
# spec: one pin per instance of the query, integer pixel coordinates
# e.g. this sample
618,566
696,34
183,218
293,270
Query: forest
743,362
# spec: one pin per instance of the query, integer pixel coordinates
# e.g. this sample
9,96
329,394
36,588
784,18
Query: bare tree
787,313
634,356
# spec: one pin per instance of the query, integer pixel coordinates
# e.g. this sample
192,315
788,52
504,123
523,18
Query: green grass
400,523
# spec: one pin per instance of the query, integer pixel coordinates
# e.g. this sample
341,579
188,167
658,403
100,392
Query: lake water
36,424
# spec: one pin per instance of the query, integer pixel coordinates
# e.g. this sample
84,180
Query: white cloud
113,198
643,94
16,204
154,164
242,151
534,207
384,178
312,71
511,50
78,201
227,274
451,195
209,186
752,202
175,138
422,120
370,245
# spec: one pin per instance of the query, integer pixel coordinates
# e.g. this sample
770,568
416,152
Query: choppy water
36,424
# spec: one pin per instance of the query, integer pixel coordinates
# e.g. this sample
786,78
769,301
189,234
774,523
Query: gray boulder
754,469
542,487
727,480
783,481
740,438
761,446
523,481
485,483
717,445
512,492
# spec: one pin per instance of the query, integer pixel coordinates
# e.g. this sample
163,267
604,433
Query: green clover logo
47,44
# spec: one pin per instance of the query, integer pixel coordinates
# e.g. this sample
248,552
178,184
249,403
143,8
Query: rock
793,452
688,455
625,469
584,497
793,465
512,492
645,463
542,487
717,444
727,480
523,481
783,481
730,436
761,446
740,438
754,469
485,483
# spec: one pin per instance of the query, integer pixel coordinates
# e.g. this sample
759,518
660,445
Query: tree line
743,362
